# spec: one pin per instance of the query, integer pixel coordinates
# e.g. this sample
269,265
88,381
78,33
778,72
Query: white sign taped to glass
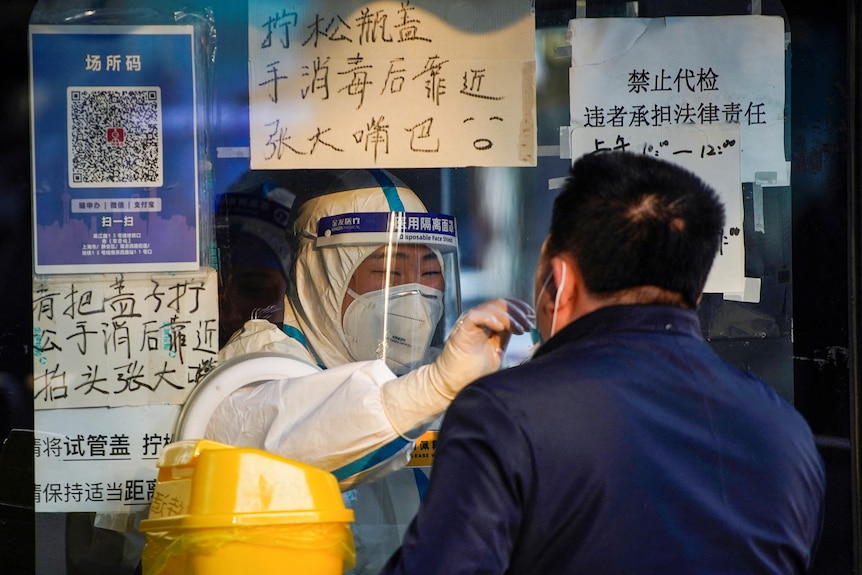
704,92
422,83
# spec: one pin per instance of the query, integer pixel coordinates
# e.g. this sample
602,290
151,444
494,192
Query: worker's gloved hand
477,342
474,348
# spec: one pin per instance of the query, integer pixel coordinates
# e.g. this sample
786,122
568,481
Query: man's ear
572,301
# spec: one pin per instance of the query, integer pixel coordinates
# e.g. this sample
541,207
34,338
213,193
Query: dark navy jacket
625,446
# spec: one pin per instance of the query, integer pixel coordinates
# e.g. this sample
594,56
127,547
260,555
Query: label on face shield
385,227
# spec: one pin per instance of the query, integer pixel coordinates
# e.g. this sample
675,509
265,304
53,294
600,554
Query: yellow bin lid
203,484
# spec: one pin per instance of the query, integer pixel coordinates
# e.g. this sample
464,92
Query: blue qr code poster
115,149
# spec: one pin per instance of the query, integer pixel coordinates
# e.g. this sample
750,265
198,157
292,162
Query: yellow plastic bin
219,510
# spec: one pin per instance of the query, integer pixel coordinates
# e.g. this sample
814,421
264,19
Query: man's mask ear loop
557,301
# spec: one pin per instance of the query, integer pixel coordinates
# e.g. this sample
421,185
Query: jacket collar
629,318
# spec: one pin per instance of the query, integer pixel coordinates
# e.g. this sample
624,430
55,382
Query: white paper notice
114,339
695,71
422,83
101,460
710,152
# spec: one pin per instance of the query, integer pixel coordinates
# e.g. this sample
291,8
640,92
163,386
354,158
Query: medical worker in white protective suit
374,278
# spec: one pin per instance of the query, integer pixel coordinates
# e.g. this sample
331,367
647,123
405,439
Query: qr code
115,136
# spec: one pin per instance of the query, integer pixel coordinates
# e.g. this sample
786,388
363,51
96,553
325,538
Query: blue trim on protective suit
295,333
395,204
374,458
291,331
422,482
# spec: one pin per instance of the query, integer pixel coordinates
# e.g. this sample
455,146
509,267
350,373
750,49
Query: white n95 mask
397,328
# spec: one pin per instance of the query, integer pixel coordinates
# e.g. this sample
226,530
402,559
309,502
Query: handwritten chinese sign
701,72
118,340
713,154
99,459
416,83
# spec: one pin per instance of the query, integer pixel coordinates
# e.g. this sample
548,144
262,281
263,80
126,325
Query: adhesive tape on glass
227,378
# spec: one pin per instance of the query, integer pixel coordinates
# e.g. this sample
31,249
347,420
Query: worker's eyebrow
396,253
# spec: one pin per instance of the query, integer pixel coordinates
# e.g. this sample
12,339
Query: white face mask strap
353,294
538,296
557,301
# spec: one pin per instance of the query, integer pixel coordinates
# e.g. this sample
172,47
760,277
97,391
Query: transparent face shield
255,256
404,297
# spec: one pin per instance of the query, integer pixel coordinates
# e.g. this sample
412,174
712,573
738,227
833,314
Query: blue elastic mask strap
389,190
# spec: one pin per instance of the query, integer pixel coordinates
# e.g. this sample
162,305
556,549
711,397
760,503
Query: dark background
825,329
